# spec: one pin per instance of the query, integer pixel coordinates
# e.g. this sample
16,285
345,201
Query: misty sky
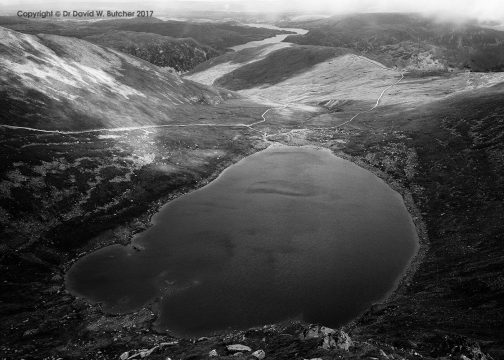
482,9
491,9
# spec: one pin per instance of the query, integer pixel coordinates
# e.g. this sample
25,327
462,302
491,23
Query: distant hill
219,35
409,41
178,44
336,79
277,66
211,70
180,54
55,82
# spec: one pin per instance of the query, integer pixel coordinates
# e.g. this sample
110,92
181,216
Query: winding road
249,126
353,117
379,97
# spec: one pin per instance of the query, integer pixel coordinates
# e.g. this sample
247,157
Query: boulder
343,340
317,331
331,338
238,348
326,331
311,333
259,354
146,352
328,343
213,353
171,343
31,332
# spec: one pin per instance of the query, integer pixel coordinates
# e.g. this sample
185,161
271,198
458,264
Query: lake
286,233
270,40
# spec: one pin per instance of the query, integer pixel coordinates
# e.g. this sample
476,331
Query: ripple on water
287,232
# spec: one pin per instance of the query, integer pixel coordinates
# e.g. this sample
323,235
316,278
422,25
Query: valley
78,177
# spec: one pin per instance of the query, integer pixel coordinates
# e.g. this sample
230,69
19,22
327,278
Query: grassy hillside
217,35
63,193
54,82
277,66
177,44
238,57
409,40
445,155
179,54
449,154
209,71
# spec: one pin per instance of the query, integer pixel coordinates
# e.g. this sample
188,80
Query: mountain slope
209,71
219,35
180,54
410,40
278,66
178,44
332,78
54,82
456,148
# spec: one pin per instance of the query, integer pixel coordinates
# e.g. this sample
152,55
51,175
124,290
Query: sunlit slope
332,78
278,66
216,68
54,82
311,75
341,78
350,77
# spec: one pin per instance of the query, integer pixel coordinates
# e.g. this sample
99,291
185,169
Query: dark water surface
286,233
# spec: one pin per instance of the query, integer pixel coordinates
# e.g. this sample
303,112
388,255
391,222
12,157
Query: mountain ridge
409,40
55,82
181,54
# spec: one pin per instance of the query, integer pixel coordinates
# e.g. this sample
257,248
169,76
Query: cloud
482,9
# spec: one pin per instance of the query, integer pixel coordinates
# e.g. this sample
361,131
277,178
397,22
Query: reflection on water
271,40
287,232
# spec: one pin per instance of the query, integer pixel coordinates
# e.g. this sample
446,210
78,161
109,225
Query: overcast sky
477,8
482,9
